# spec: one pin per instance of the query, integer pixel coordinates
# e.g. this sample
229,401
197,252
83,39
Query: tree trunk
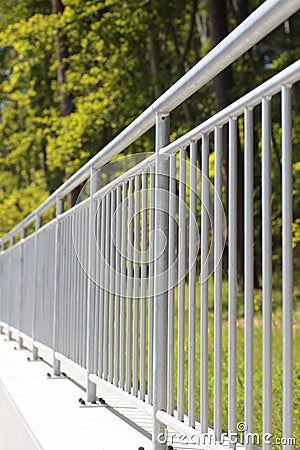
223,84
66,99
240,9
45,167
224,81
154,64
219,30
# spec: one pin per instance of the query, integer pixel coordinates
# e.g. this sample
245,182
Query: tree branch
190,34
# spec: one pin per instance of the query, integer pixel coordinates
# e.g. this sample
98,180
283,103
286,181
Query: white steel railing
113,283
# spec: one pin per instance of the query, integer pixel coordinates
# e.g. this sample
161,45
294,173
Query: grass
257,349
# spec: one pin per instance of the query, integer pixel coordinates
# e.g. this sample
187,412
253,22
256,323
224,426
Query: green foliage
277,361
119,57
108,76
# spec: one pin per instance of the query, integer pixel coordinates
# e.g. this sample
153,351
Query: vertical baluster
72,290
106,286
129,286
91,387
171,281
266,267
57,284
181,283
123,284
62,297
102,285
10,305
76,236
192,285
151,283
218,285
117,228
287,268
86,279
136,284
81,243
112,286
204,286
97,288
35,287
68,286
21,287
143,287
248,271
232,277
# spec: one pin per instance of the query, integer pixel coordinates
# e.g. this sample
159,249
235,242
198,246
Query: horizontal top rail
259,24
83,204
269,88
136,170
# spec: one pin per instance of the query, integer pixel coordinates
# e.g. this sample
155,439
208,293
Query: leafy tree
73,74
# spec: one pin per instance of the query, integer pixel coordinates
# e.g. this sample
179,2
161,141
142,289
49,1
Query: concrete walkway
38,412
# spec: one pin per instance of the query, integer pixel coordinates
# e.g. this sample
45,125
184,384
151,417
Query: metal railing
113,283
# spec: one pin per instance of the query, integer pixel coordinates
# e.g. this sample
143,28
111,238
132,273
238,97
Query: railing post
21,286
160,280
9,335
59,211
35,283
1,252
91,387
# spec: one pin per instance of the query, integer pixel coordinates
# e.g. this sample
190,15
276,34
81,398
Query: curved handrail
259,24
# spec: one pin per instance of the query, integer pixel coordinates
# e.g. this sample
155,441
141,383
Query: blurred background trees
74,73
